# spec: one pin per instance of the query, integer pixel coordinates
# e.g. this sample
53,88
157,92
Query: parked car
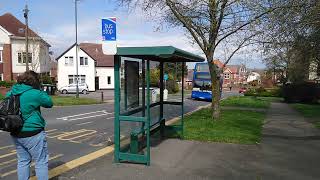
242,90
72,88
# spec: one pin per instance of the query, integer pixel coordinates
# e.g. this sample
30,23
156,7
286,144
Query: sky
54,21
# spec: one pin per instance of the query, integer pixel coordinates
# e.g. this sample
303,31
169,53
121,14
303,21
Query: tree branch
195,33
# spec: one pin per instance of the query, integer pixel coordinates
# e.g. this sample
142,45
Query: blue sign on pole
109,29
166,77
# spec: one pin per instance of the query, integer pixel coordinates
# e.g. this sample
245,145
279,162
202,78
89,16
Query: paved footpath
290,149
290,146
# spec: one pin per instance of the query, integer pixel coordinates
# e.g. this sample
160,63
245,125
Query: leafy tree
292,39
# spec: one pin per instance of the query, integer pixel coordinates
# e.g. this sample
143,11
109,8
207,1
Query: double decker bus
202,87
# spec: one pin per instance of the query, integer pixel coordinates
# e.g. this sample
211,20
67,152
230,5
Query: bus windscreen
203,67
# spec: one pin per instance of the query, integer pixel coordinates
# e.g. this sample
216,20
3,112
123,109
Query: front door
97,83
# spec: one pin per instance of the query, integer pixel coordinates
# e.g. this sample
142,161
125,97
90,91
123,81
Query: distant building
232,74
94,67
13,50
314,71
254,76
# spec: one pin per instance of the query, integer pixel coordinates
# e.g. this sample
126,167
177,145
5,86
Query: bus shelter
139,107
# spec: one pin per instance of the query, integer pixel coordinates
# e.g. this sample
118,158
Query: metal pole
77,70
26,11
117,64
148,112
182,99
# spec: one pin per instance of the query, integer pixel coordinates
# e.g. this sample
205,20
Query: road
78,130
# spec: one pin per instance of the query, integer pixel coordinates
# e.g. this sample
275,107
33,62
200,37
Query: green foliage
304,92
172,87
235,126
46,79
243,101
154,77
310,111
1,97
175,70
7,84
261,92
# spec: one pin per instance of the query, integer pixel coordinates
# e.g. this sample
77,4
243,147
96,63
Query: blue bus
201,82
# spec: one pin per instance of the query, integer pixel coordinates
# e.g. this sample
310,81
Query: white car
72,88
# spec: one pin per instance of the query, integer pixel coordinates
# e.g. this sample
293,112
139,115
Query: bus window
203,67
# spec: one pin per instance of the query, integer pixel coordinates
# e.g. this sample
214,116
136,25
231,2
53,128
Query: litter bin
49,88
154,95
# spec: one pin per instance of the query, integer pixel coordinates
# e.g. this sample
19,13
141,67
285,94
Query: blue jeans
35,148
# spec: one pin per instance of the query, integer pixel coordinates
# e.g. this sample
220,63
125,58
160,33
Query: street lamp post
77,70
26,11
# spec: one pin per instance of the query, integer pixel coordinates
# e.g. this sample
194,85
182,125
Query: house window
22,57
0,56
1,77
73,80
109,79
83,61
227,76
68,60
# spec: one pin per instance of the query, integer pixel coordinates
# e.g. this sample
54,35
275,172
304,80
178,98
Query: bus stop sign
166,77
109,29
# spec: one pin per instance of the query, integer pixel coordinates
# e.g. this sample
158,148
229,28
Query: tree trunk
216,92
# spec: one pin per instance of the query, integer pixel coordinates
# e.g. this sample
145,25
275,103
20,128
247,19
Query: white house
94,68
13,50
314,71
253,76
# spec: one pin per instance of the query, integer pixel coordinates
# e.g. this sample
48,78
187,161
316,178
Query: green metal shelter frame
144,55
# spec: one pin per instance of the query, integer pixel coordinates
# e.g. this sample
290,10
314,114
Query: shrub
7,84
45,79
304,92
154,77
261,92
172,87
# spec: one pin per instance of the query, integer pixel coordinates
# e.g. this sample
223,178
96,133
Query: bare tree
210,23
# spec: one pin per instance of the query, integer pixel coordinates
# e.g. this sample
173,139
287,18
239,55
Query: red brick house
232,74
12,49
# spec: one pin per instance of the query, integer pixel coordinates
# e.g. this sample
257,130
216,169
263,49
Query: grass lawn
310,111
271,99
235,126
246,101
69,101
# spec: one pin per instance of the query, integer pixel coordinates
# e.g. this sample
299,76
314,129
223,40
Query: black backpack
10,115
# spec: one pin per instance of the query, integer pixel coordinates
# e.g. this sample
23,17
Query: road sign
109,29
166,77
109,35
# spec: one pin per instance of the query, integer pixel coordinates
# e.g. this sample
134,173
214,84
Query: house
13,51
314,71
94,67
254,76
232,74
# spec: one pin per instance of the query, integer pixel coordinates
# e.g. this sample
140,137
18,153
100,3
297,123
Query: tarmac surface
289,149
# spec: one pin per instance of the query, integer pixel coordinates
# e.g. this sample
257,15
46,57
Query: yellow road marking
9,154
76,137
51,130
78,162
5,147
62,134
14,171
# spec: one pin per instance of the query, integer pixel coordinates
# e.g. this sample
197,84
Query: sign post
109,35
165,91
